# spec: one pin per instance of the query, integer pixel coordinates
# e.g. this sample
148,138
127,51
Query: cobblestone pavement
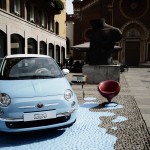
135,99
138,80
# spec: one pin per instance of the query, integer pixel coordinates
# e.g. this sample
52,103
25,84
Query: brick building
130,16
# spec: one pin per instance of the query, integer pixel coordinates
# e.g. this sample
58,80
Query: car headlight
4,100
68,94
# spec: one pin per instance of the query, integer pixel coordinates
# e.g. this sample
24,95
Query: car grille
37,123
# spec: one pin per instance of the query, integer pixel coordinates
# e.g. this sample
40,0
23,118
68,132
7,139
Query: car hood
33,88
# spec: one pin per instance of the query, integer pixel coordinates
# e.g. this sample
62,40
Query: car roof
26,55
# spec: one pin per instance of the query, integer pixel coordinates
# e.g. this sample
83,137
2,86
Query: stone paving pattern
138,80
135,98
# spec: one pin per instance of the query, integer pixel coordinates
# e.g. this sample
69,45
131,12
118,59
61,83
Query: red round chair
109,89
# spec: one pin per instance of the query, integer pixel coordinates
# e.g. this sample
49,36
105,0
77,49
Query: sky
69,6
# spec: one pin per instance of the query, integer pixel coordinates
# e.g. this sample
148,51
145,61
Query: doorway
132,53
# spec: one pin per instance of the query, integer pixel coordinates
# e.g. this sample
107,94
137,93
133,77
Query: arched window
3,44
17,44
51,50
32,46
57,28
57,54
43,48
62,55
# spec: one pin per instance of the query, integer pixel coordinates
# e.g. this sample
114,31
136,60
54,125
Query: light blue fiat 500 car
34,94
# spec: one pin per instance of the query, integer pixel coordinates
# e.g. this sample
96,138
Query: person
102,42
66,63
71,61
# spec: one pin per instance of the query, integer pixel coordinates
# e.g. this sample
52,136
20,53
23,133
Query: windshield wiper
28,77
36,77
43,77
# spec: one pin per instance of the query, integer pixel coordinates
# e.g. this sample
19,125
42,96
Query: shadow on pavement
23,138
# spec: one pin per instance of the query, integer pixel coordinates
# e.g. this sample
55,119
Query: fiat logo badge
39,105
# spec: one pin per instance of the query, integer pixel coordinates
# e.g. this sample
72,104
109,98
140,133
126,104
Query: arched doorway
134,43
43,48
57,54
3,44
132,53
68,45
17,44
132,46
51,50
32,46
63,55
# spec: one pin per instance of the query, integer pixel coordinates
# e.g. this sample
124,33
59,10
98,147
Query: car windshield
30,68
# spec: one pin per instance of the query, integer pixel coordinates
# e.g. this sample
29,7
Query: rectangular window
38,18
50,23
31,13
3,4
17,7
43,20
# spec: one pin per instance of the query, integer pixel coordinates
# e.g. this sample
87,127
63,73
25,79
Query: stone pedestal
97,73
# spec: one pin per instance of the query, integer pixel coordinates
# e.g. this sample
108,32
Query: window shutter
12,6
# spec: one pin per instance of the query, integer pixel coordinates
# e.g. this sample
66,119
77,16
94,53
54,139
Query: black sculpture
102,42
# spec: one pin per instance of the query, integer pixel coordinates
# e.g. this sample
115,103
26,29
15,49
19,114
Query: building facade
69,34
31,26
130,16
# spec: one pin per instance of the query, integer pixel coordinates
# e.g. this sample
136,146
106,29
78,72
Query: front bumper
18,125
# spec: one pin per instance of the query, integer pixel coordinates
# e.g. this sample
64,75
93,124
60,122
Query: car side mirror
65,71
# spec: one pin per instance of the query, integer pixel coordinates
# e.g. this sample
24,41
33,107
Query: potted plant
58,4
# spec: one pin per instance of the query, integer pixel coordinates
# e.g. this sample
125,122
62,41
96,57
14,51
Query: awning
84,47
81,47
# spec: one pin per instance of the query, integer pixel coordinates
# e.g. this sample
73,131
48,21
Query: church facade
130,16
